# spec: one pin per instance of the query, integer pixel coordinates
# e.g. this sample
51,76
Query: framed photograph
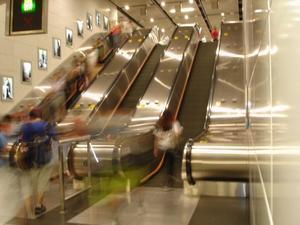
69,37
105,25
79,24
7,84
26,71
56,47
98,19
89,21
42,59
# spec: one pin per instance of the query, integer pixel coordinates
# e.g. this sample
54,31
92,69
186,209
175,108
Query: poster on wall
98,19
7,83
42,59
26,16
56,47
105,25
89,21
79,24
26,71
69,37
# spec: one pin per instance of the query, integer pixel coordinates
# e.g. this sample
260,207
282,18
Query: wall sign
26,17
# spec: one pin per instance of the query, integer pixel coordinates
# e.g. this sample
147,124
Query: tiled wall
61,14
273,59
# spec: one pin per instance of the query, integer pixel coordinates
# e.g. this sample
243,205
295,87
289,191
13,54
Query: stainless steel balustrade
220,153
133,146
97,104
38,93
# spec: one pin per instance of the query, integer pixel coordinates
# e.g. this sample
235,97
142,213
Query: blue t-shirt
35,129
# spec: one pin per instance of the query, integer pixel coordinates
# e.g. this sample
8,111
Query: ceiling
181,11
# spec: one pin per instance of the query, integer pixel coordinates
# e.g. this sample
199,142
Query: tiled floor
142,206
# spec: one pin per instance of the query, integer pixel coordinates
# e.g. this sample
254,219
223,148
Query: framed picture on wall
26,71
79,24
69,37
42,59
98,19
56,47
89,21
106,22
7,85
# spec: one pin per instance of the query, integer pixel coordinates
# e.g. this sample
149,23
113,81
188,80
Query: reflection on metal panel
110,85
133,146
55,78
157,94
221,153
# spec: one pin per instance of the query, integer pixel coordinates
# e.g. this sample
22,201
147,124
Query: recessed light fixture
151,20
186,17
187,9
163,30
172,11
127,7
222,14
163,3
191,1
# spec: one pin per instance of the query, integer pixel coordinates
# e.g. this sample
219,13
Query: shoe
39,210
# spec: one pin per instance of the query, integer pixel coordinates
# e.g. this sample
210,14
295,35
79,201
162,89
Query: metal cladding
132,146
221,153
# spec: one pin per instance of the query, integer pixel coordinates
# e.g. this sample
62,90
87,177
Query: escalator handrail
179,70
96,109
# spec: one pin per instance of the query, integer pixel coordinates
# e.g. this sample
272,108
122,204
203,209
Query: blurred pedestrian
9,183
115,35
214,33
38,134
167,136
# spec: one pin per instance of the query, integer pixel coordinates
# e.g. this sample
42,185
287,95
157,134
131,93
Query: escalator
124,111
192,113
96,106
130,149
130,101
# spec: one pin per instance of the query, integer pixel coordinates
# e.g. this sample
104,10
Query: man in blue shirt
37,134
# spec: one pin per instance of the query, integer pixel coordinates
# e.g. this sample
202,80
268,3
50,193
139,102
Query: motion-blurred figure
167,134
115,35
37,134
214,33
9,183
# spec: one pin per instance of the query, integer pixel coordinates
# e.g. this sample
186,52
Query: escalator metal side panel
135,149
221,152
103,88
37,94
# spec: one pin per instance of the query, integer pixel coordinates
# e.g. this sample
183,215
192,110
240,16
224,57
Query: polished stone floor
142,206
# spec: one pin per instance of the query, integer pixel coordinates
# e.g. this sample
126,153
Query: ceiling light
173,11
163,3
151,20
163,30
191,1
222,14
127,7
186,17
187,9
107,10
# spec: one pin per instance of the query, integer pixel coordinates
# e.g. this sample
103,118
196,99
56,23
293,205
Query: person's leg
169,164
42,184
